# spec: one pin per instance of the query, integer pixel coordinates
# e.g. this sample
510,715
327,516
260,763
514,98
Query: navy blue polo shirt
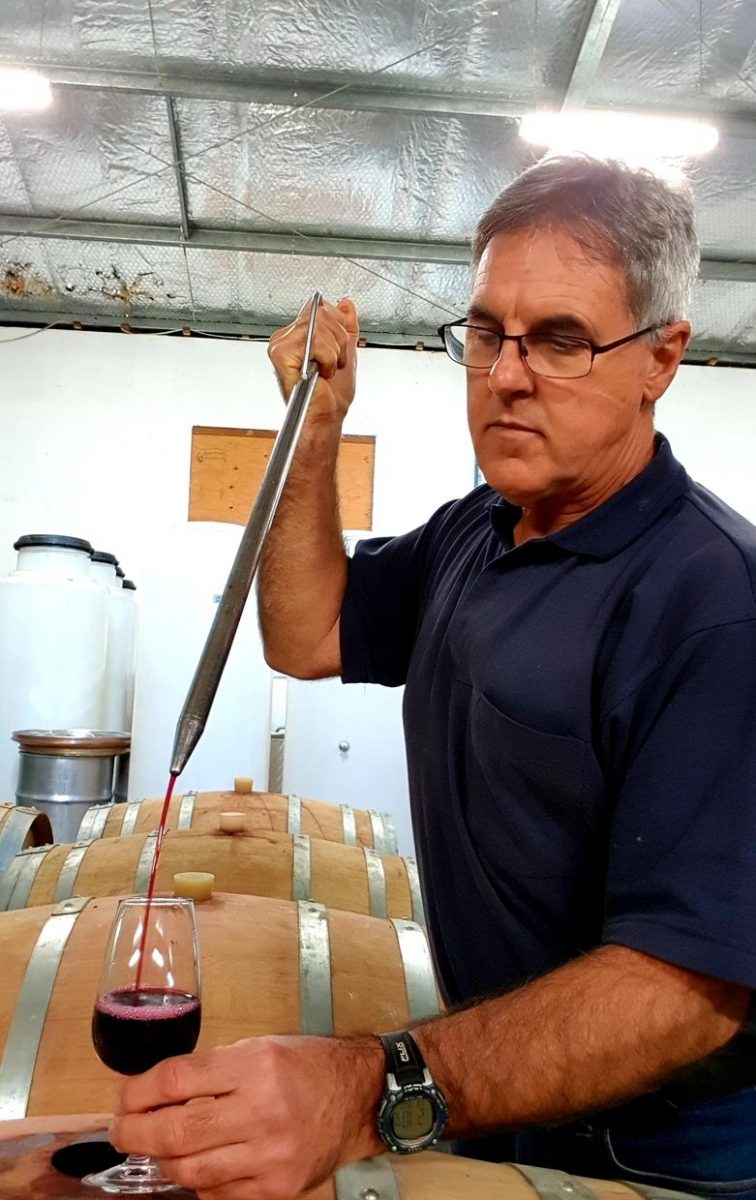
580,720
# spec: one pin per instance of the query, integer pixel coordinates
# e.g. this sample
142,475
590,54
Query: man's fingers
210,1169
176,1080
348,312
181,1129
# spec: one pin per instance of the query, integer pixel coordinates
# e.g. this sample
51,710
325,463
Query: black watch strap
403,1057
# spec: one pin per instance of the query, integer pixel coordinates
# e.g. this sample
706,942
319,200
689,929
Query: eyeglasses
555,355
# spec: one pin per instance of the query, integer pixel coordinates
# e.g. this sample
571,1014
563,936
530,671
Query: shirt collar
622,518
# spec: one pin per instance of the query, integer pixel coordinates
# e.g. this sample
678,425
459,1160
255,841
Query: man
578,643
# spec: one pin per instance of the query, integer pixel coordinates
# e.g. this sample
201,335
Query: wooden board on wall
228,466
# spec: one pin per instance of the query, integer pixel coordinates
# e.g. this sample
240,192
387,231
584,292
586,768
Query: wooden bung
26,1148
194,885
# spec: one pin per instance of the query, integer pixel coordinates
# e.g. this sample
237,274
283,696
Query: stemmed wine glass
147,1009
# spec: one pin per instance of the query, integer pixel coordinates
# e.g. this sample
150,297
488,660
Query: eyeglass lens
558,357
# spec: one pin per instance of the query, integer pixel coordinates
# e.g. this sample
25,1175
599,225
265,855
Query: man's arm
303,570
272,1117
611,1025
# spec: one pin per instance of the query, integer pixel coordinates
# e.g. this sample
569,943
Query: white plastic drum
115,713
53,643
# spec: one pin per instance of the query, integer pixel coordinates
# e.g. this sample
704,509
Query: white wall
96,443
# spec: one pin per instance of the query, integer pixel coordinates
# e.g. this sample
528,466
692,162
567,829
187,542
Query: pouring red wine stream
153,874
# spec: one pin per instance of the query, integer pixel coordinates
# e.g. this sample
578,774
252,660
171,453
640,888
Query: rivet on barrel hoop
555,1185
371,1179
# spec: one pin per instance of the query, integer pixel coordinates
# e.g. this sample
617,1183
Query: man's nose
510,373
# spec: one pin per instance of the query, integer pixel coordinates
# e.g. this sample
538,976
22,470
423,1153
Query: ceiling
206,164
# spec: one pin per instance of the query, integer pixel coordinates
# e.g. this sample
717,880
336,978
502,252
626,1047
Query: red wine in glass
133,1030
147,1009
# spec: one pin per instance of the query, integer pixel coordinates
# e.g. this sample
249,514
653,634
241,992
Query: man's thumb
348,311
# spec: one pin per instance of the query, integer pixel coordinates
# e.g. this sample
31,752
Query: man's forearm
304,567
605,1027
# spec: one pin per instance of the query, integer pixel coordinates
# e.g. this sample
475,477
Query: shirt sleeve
380,610
681,875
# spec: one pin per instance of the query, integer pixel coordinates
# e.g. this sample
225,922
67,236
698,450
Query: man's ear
664,359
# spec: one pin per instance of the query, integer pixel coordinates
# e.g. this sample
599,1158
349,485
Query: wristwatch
413,1114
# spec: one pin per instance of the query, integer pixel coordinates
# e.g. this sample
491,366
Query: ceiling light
21,89
633,137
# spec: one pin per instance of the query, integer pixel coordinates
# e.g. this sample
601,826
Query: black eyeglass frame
520,338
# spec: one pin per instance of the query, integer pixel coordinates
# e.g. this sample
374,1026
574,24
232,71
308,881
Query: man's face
562,441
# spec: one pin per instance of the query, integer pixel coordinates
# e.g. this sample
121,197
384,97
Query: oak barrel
264,810
258,863
29,1175
20,828
268,966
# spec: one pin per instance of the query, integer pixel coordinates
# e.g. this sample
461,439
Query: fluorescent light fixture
22,89
632,137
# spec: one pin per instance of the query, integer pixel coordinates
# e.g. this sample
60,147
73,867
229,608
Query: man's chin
516,486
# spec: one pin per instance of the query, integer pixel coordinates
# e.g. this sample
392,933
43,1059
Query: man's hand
334,349
264,1119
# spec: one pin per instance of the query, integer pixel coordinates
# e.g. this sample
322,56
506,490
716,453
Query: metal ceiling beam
356,97
236,239
178,168
258,242
234,325
590,52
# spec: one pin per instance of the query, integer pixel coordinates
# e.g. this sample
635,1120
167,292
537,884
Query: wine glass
147,1009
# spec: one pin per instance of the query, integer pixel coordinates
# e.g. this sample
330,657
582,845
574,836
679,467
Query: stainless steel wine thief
207,676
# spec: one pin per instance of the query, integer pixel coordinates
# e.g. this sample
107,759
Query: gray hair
619,214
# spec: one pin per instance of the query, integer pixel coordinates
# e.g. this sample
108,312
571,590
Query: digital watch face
413,1118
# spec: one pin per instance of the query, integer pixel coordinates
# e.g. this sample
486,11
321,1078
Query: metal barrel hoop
550,1184
186,810
376,881
70,870
416,894
349,825
419,979
294,817
144,864
301,867
315,994
130,817
18,880
93,822
12,834
27,1024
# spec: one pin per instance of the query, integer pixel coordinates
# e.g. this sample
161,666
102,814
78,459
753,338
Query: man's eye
484,337
562,345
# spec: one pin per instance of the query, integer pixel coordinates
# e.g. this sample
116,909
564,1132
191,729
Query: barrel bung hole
83,1158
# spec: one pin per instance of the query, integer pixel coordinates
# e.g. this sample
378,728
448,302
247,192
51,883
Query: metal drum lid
76,742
